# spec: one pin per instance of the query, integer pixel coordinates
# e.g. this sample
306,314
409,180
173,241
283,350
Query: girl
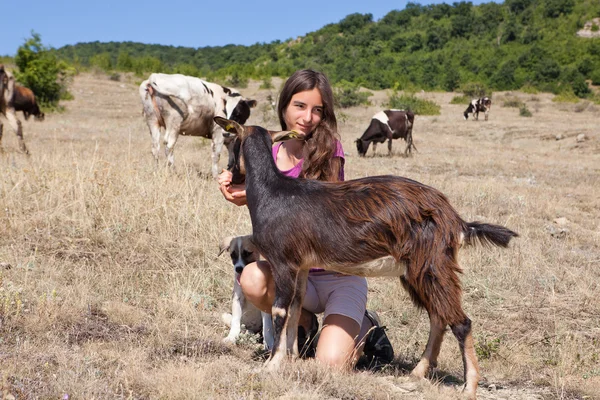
306,105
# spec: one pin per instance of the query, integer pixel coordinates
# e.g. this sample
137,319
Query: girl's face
304,112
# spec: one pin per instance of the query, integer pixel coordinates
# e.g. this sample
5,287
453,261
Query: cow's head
237,108
362,147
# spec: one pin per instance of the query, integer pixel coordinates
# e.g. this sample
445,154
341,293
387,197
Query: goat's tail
488,234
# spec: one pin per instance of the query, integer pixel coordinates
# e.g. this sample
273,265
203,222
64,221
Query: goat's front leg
432,351
295,311
285,291
389,146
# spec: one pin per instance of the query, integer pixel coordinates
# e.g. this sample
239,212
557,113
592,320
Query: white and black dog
242,252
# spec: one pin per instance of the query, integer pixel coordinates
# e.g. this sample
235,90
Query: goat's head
238,133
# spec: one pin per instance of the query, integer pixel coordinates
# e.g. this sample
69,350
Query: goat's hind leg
462,332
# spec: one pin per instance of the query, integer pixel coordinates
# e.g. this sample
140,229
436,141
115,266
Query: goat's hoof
470,394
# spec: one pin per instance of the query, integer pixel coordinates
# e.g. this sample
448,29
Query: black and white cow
388,125
476,106
187,105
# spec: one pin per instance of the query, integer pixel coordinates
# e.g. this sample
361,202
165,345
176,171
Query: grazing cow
24,100
476,106
388,125
7,106
187,105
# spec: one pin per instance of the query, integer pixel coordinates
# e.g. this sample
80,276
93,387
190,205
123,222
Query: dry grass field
111,286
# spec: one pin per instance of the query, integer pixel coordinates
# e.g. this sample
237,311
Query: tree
42,72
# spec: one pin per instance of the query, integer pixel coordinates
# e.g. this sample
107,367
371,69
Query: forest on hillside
503,46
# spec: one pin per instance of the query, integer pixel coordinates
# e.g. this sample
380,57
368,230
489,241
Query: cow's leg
409,144
216,146
171,136
155,134
462,332
285,292
17,127
1,130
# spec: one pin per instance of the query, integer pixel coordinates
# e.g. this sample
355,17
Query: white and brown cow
388,125
15,98
187,105
476,106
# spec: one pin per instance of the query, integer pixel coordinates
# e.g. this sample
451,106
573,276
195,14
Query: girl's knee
336,358
254,281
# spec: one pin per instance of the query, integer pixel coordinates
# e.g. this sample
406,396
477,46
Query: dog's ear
225,244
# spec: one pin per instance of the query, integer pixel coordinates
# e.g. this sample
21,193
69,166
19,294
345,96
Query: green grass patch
414,104
460,100
566,97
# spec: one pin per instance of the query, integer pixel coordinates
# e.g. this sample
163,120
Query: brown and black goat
375,226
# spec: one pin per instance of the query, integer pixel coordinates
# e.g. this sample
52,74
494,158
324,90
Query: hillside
503,45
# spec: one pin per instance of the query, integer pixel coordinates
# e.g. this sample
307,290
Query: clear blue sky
187,23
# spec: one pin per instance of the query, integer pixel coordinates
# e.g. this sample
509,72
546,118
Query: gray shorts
334,293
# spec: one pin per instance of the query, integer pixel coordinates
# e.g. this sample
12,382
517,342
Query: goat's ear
286,135
225,244
229,126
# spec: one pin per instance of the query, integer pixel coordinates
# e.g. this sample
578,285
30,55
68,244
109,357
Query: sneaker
378,349
307,341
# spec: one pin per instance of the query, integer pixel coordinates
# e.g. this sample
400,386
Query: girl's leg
337,342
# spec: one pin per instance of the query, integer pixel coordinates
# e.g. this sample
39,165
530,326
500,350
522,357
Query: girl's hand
224,177
235,194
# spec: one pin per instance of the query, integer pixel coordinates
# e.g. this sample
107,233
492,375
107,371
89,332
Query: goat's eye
246,253
234,255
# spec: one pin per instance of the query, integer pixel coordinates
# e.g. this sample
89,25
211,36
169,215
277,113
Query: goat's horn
287,135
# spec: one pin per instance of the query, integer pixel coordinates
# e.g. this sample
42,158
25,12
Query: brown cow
8,90
24,100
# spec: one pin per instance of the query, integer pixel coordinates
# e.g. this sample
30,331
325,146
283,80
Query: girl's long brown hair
321,145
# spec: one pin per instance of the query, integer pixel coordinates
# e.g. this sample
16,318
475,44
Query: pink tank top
295,172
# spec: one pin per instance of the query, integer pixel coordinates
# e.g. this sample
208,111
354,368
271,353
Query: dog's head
242,251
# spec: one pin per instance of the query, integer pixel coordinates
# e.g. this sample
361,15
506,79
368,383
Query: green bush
237,81
460,100
529,89
524,111
475,90
513,102
414,104
347,95
102,61
42,72
567,96
266,83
